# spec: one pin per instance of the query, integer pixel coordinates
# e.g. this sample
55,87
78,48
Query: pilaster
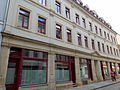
51,71
4,57
77,71
93,71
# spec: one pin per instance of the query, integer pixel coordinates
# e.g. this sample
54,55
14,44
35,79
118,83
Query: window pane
33,72
26,21
62,72
10,73
20,20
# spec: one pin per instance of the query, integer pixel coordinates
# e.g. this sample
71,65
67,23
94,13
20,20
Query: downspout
4,22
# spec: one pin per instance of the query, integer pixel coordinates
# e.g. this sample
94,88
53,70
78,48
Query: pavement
96,86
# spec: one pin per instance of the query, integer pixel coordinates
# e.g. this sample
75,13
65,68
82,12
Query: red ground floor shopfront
27,68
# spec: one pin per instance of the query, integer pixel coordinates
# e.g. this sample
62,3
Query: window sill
37,85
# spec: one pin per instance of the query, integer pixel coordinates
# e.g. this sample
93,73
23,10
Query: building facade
55,44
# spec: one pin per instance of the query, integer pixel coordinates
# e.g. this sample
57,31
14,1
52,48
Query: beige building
55,44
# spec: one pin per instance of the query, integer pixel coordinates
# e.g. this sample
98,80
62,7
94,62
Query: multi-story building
4,4
55,44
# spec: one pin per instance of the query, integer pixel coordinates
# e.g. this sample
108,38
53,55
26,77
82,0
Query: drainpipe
4,21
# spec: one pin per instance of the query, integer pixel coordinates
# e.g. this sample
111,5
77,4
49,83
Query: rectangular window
23,20
108,36
58,7
103,48
67,11
105,34
62,67
69,36
112,38
41,25
111,50
99,46
96,29
85,69
34,69
90,25
93,44
117,52
77,19
79,39
86,41
58,31
84,22
100,32
43,2
108,49
114,52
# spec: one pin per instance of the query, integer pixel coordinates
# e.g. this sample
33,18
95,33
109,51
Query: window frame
41,23
67,12
23,18
69,35
86,41
77,18
58,7
93,44
43,2
79,39
58,30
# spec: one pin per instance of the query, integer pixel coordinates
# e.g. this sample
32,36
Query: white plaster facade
15,36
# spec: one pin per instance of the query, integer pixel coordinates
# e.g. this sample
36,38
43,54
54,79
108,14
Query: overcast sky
108,9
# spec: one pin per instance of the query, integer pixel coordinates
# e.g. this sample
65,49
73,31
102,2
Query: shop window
58,7
63,68
58,31
34,68
118,68
23,20
105,69
33,72
41,25
85,69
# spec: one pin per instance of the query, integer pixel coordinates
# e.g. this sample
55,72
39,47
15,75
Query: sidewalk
95,85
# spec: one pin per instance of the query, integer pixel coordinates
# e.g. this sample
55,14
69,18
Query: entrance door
12,72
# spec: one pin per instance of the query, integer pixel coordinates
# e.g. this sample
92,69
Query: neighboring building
55,44
4,4
118,39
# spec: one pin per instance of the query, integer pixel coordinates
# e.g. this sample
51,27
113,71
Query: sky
108,9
